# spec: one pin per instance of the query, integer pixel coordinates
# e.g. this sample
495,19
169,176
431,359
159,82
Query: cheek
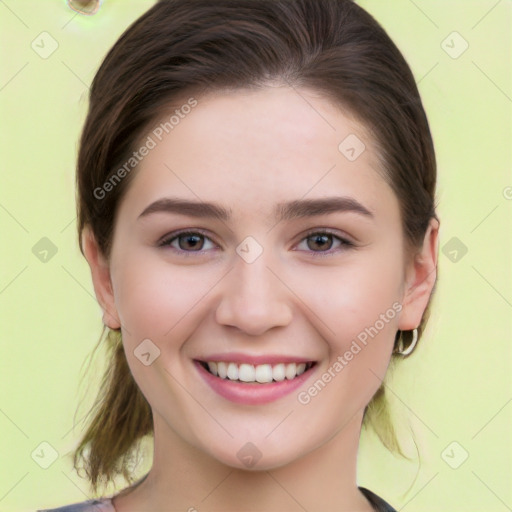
353,296
358,309
155,299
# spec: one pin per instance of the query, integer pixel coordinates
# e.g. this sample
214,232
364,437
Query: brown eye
189,241
322,243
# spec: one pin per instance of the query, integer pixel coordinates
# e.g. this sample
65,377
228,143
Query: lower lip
252,393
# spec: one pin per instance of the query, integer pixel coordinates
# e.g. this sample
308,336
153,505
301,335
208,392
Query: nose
254,298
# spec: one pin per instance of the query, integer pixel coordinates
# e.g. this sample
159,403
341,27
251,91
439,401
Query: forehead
251,149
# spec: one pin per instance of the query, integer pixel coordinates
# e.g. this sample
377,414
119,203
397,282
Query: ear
100,271
421,277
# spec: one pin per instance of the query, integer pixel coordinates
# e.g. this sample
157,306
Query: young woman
256,198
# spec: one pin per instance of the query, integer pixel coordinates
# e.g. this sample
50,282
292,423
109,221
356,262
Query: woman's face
295,266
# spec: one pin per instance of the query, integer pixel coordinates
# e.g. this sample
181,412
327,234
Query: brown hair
183,47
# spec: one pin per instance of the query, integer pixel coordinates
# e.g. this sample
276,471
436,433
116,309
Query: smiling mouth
261,373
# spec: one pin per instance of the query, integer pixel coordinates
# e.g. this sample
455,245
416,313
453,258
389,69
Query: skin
248,151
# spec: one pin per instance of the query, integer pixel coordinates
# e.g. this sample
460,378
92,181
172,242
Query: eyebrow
283,211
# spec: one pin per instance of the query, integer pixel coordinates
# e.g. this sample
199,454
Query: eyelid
328,231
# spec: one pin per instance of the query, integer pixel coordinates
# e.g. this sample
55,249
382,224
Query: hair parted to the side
184,48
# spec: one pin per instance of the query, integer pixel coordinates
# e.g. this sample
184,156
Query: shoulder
96,505
377,502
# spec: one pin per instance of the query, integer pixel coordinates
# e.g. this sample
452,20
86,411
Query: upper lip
239,358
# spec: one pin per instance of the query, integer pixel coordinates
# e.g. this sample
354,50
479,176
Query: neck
183,477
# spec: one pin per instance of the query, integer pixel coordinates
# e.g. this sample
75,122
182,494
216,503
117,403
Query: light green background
455,388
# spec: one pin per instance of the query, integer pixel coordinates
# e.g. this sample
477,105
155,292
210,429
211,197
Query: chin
254,456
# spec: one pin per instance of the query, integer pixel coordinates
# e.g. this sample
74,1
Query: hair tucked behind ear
181,48
121,418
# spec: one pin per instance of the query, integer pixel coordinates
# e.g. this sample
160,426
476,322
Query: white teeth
246,372
232,371
222,370
262,373
212,366
291,371
278,372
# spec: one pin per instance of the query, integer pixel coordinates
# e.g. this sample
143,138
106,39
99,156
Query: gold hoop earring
400,345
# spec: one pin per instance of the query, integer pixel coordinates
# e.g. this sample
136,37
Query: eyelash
168,239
